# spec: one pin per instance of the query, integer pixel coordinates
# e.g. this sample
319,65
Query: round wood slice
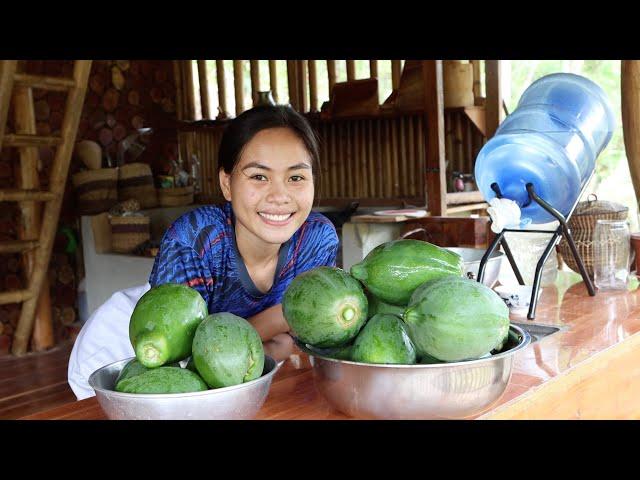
111,120
105,136
97,84
156,95
98,119
133,97
168,90
117,79
137,122
92,100
110,100
119,132
168,106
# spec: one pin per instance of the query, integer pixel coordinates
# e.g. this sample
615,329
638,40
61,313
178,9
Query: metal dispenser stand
563,229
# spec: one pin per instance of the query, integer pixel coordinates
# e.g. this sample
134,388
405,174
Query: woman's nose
278,193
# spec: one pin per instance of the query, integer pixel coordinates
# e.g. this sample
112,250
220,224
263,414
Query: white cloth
104,339
505,213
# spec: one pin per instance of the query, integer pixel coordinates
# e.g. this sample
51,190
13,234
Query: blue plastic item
562,123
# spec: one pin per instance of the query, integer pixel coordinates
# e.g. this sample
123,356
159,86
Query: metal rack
563,229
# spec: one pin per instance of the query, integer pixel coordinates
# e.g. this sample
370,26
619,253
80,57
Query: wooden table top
561,372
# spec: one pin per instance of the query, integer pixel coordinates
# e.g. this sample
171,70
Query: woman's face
271,186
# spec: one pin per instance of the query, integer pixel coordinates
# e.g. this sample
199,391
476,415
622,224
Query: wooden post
436,185
204,89
292,75
222,90
273,79
7,70
331,73
493,109
373,69
188,88
177,76
238,86
630,101
57,182
303,91
475,65
313,86
396,71
351,70
255,80
31,213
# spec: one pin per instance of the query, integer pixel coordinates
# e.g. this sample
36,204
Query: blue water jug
552,139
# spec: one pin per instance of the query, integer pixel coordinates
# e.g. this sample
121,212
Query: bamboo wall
463,142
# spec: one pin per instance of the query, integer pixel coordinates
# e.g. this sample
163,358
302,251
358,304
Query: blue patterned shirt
199,250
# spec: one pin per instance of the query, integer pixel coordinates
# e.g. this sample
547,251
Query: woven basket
129,232
174,197
135,180
96,190
582,224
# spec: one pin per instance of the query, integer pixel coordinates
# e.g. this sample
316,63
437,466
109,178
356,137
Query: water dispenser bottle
552,139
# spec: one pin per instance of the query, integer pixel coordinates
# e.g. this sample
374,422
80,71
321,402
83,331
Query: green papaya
227,350
377,306
339,353
393,270
428,359
325,307
134,367
384,339
164,322
455,318
163,380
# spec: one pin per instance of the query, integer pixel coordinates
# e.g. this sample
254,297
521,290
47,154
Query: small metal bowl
472,258
430,391
238,402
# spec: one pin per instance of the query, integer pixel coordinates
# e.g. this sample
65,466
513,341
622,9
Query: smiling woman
242,255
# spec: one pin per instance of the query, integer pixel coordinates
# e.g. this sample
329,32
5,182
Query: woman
241,255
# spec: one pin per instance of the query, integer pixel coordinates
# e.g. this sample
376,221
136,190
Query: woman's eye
297,178
258,177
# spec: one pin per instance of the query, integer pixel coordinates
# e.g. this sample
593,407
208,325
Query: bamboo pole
396,71
69,130
334,162
351,70
177,76
204,89
460,161
422,158
188,87
494,113
313,86
388,161
254,67
630,101
412,157
273,79
379,157
331,73
395,159
303,91
477,93
371,168
292,75
347,167
238,86
373,69
468,160
222,90
448,139
7,71
31,213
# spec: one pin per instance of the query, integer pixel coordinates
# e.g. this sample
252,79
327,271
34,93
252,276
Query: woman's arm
269,322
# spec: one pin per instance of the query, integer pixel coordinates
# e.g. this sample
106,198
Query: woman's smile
276,219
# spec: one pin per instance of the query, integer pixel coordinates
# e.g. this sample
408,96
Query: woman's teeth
275,218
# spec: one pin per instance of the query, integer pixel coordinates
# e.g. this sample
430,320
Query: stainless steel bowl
238,402
431,391
472,257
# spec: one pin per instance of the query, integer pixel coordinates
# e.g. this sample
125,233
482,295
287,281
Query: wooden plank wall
463,141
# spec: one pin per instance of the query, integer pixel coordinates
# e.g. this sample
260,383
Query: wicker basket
129,232
96,190
135,180
582,224
174,197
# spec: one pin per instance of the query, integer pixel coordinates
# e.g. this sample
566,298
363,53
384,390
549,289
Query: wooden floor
34,382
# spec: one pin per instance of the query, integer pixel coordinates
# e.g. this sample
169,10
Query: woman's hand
279,347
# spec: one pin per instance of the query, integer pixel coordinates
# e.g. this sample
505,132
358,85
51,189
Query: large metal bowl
472,257
238,402
431,391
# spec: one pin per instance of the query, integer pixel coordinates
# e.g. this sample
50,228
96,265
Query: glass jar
611,249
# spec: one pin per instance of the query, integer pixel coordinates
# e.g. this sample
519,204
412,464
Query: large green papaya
377,306
163,380
384,339
454,319
163,323
325,307
393,270
134,367
227,350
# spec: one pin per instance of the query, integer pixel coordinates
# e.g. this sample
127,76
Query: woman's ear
225,184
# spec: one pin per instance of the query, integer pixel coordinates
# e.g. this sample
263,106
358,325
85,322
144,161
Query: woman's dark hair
244,127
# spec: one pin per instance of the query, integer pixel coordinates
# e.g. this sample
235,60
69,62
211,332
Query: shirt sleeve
179,263
320,247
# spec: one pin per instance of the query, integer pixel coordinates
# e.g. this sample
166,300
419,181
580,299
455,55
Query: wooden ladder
39,225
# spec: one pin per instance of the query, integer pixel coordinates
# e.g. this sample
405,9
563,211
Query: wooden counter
590,369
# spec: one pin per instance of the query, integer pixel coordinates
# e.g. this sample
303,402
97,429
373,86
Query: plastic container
562,123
